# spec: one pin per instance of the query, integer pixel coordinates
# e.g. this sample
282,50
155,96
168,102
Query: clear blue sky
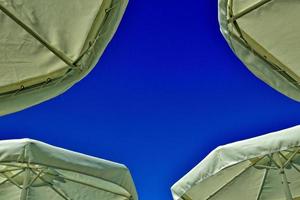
167,91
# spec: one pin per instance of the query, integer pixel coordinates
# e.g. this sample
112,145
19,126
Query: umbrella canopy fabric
31,170
265,35
262,168
48,46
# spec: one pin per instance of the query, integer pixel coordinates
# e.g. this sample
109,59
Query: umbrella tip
28,141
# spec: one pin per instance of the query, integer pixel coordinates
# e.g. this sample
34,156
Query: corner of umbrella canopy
226,156
26,97
266,68
174,190
29,152
28,141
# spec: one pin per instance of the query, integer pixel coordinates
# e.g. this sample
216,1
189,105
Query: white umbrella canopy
262,168
265,35
32,170
48,46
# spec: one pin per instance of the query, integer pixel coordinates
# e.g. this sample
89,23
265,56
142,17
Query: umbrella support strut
286,188
24,192
281,166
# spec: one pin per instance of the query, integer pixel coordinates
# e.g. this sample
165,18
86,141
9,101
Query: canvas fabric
272,35
32,170
229,172
48,46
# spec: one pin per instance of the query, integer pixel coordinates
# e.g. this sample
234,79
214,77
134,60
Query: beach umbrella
46,46
31,170
265,35
262,168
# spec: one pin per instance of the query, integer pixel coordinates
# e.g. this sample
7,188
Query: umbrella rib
272,65
287,189
273,161
55,51
235,24
234,178
248,10
262,184
265,166
61,194
243,39
70,170
86,184
9,170
289,160
4,181
292,164
35,178
18,167
25,187
64,196
295,167
10,179
281,166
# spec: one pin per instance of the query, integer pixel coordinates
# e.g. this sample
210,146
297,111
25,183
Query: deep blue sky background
167,91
